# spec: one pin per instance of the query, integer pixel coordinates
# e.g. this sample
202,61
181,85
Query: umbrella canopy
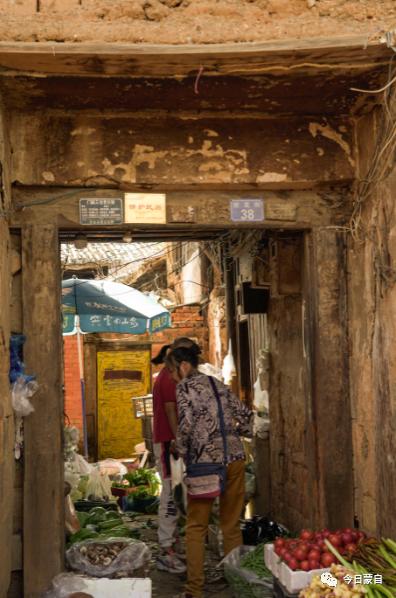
104,306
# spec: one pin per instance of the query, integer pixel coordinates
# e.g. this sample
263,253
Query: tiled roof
129,256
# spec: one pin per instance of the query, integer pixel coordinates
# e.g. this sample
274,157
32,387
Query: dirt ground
192,21
167,585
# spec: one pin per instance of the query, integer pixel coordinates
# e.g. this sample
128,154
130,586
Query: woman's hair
186,343
160,358
189,354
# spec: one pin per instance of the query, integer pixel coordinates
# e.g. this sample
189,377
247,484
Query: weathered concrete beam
194,209
63,149
111,59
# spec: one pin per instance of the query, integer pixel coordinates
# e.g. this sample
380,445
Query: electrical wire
176,269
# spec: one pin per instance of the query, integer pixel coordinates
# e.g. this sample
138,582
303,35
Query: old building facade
283,123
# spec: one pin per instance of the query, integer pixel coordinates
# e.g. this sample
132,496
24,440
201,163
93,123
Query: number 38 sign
247,210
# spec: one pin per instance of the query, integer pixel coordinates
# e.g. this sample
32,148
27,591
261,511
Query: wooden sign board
145,208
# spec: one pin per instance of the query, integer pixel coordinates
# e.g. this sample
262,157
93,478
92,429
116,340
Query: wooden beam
336,53
191,211
330,409
150,150
43,457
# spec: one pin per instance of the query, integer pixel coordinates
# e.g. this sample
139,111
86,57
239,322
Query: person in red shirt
164,434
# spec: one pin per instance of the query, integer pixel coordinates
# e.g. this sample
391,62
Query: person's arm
184,427
171,414
168,391
241,414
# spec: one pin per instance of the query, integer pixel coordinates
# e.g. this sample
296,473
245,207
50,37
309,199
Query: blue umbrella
104,306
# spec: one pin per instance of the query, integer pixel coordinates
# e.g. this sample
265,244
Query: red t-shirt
164,391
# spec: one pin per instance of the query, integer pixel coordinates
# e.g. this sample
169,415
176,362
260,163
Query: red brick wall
73,407
186,321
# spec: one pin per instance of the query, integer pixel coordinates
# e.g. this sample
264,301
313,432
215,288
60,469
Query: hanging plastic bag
261,426
98,486
113,557
177,471
179,488
71,437
261,398
22,391
229,369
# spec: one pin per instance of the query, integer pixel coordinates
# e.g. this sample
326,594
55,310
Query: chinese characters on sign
247,210
162,321
145,208
101,210
365,579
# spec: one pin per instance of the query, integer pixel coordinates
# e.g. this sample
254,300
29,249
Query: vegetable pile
246,573
317,589
369,558
310,551
142,482
254,561
101,524
102,554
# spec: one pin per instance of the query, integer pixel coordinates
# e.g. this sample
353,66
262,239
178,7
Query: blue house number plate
247,210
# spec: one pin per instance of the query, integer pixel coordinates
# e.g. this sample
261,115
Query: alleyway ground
166,585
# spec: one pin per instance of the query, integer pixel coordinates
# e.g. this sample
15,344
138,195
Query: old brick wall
372,313
186,321
72,386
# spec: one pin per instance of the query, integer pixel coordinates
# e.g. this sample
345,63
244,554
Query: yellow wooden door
121,375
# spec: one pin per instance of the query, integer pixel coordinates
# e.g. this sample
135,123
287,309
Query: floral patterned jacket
199,438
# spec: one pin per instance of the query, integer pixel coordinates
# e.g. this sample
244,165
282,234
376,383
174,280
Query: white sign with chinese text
145,208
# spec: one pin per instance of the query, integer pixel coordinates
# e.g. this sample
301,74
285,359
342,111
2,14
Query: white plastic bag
112,467
261,399
22,391
177,471
179,488
261,426
245,583
81,465
99,485
132,556
229,369
71,437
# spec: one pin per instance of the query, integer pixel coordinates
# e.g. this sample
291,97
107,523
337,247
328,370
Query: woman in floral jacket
200,440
